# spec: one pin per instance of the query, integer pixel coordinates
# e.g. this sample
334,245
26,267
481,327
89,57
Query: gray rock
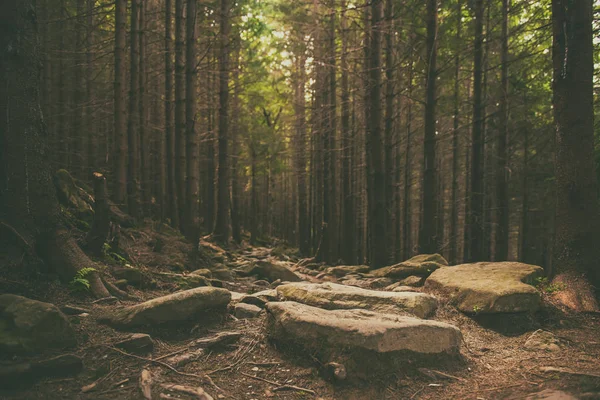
421,265
542,340
342,270
359,329
270,271
244,310
406,289
182,306
488,287
138,343
335,296
32,326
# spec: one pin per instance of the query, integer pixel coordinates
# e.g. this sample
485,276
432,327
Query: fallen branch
146,384
198,393
279,385
568,372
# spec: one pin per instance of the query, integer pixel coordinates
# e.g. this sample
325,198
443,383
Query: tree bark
180,161
133,133
172,203
455,132
120,105
576,221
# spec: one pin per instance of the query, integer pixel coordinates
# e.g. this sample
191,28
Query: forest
289,199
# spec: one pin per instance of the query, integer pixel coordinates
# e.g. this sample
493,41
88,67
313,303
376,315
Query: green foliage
544,285
80,282
476,309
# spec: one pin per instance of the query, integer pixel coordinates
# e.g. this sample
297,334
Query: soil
493,363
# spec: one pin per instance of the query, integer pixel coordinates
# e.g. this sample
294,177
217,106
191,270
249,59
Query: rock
270,271
32,326
23,374
262,283
335,371
261,298
182,306
421,265
488,287
244,310
369,283
216,283
138,343
121,283
73,310
236,296
220,271
134,276
542,340
359,329
342,270
202,272
184,281
412,280
276,283
406,289
550,394
334,296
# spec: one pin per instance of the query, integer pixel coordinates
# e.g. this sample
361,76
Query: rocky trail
259,323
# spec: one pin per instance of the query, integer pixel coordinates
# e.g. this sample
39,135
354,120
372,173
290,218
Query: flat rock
542,340
343,270
333,296
138,343
28,325
360,329
412,280
182,306
421,265
261,298
488,287
270,271
406,289
244,310
369,283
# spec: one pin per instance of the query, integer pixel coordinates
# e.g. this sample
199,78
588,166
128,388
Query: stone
342,270
237,296
421,265
369,283
488,287
184,281
334,296
244,310
73,310
270,271
202,272
23,374
181,307
542,340
406,289
138,343
261,298
121,283
412,280
359,329
221,272
134,276
28,325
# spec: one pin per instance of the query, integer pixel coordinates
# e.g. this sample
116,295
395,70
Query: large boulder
31,326
343,270
359,329
334,296
488,287
421,265
270,271
177,307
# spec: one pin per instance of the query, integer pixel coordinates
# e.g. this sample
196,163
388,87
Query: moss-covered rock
488,287
421,265
32,326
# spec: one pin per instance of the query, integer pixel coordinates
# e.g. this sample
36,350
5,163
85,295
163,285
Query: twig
417,392
205,378
171,354
279,385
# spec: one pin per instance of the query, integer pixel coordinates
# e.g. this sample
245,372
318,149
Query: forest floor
493,362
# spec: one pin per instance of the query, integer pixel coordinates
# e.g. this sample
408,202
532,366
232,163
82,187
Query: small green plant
476,309
80,282
544,285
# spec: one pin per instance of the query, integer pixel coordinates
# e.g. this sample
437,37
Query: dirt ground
493,363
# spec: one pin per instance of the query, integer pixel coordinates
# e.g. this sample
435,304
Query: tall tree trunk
221,232
192,155
348,222
502,213
575,249
236,206
120,104
299,153
80,134
172,202
133,142
144,132
374,145
407,217
180,161
476,197
92,144
427,232
388,128
455,131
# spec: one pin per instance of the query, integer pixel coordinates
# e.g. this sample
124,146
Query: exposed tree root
62,253
576,294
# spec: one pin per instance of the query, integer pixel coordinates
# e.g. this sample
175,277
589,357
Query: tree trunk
476,197
427,231
120,105
173,211
455,131
192,229
180,161
388,128
28,203
144,132
575,251
221,232
96,237
133,133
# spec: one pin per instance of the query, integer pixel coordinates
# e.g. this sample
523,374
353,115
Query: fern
80,282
